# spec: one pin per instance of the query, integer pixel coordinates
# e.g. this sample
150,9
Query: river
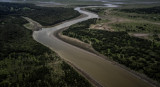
101,70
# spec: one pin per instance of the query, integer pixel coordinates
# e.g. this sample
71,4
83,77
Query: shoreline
35,26
58,35
85,75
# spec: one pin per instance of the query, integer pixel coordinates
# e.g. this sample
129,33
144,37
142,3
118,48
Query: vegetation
151,14
26,63
123,20
96,10
138,54
44,15
152,10
136,27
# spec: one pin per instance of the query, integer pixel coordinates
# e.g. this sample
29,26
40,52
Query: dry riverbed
98,69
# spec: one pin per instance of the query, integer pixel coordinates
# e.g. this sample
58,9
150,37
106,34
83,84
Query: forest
44,15
151,10
96,10
150,13
25,62
138,54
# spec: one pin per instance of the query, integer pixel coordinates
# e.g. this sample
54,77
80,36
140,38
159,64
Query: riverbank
24,61
35,26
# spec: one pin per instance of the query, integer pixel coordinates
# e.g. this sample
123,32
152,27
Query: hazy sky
142,1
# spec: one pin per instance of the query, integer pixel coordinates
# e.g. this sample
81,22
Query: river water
99,69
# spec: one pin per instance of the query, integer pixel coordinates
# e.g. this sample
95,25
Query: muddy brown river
101,70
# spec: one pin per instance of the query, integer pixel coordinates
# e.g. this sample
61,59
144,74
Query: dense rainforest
23,61
152,10
138,54
151,13
43,15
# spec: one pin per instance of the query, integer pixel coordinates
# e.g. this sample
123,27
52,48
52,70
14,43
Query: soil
32,25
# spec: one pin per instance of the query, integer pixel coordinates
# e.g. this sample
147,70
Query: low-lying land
26,63
144,21
119,43
123,20
151,13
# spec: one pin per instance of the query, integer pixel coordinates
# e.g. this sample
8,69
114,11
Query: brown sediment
81,16
91,80
32,25
74,41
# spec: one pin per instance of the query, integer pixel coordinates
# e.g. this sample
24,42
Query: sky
124,1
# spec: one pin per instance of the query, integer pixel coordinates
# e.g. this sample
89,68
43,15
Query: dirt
32,25
74,41
115,19
141,35
105,25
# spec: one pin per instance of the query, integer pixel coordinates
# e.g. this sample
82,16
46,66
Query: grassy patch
151,14
136,27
